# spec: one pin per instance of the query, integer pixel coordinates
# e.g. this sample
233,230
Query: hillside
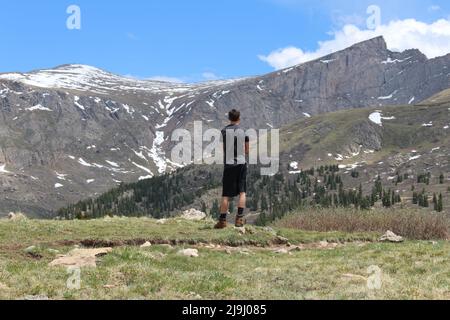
314,265
75,131
402,150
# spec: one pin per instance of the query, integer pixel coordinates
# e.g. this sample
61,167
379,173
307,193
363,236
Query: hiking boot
240,222
222,224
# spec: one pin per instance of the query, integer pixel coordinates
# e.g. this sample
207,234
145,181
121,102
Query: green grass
120,231
413,269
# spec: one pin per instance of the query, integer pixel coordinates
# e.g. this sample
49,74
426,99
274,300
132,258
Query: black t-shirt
239,136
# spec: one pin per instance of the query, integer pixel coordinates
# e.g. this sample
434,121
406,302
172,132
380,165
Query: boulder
16,216
389,236
270,230
31,249
193,215
146,245
241,230
323,244
188,253
297,248
281,240
80,258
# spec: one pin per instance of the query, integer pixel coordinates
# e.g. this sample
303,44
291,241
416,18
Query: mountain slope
75,131
404,148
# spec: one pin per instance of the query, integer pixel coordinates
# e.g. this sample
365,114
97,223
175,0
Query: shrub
412,224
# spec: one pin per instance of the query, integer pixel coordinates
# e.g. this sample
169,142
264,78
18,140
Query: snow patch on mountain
84,163
38,107
389,96
76,99
327,61
377,117
112,163
87,78
142,168
2,169
393,61
157,154
145,177
60,176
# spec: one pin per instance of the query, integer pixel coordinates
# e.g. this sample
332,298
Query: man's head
234,116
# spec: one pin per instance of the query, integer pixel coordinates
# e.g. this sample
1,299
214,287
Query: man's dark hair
234,115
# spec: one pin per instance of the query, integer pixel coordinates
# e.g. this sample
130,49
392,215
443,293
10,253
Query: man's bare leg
242,200
224,205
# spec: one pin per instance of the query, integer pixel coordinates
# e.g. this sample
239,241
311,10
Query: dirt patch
80,258
99,243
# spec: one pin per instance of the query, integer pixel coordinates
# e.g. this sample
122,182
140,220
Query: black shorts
234,180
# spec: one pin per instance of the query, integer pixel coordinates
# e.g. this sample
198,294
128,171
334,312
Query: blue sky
189,40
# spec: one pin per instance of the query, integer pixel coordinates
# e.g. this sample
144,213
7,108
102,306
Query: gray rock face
76,131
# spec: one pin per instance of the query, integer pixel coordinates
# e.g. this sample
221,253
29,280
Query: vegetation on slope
373,151
413,224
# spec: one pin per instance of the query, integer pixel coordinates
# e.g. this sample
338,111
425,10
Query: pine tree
204,208
440,206
215,210
264,205
425,201
415,199
435,202
262,219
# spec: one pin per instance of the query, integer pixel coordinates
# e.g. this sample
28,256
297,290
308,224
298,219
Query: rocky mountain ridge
75,131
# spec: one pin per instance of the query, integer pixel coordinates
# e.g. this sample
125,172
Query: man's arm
247,145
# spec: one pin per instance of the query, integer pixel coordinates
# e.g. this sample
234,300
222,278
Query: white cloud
286,57
432,39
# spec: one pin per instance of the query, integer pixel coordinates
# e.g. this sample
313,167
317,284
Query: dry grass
412,224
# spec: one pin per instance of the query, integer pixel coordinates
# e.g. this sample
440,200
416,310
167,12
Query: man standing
235,148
